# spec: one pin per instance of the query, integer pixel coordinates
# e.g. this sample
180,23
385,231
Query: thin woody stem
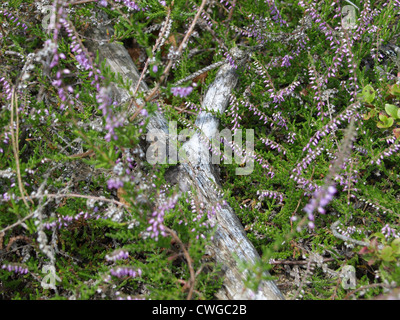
188,259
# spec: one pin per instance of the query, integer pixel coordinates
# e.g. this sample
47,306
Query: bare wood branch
230,239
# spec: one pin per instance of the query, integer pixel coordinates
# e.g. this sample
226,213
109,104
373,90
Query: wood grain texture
230,239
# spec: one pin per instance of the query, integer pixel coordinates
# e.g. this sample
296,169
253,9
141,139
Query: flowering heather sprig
67,220
131,5
311,11
245,155
6,138
85,63
317,84
165,30
192,106
14,19
349,176
208,218
102,3
112,121
389,232
233,111
337,62
375,206
263,73
260,26
342,48
394,148
117,255
319,201
270,194
6,197
181,91
16,268
206,19
352,65
306,161
230,60
174,55
333,125
390,140
286,61
277,119
279,96
6,87
291,137
365,21
156,227
256,30
276,15
324,195
309,186
262,116
273,145
348,233
348,37
60,19
361,150
227,3
122,272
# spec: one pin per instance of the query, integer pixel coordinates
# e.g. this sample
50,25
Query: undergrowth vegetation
83,215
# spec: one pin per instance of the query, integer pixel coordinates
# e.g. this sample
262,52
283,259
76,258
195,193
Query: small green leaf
382,117
368,93
396,246
392,110
387,254
386,122
395,90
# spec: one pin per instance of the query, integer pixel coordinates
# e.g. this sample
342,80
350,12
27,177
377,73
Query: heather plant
84,214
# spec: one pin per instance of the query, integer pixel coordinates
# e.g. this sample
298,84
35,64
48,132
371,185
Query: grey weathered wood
230,238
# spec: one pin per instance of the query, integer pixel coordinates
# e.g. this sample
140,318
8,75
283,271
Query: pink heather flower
117,255
114,184
181,91
156,221
122,272
144,112
83,61
388,231
16,268
155,68
286,61
320,199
